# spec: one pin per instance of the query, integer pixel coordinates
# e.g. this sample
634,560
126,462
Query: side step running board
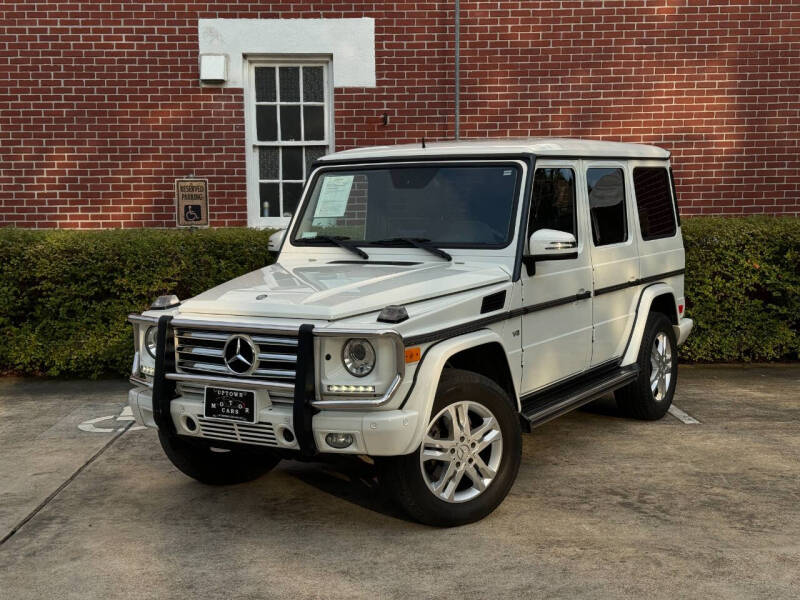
551,404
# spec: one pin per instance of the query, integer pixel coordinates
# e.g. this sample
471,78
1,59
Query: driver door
557,319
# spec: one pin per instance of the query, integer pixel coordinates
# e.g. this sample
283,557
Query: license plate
231,405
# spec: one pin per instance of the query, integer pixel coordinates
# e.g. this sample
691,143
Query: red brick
100,109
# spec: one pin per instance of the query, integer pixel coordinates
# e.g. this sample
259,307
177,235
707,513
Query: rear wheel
469,456
215,466
650,395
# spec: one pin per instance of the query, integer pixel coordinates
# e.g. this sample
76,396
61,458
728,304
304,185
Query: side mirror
276,240
550,243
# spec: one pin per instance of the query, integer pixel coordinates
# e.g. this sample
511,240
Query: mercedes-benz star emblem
240,354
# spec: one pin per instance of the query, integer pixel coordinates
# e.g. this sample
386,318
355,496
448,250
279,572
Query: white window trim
254,218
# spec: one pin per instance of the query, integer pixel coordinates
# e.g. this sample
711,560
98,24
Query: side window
553,201
607,205
653,201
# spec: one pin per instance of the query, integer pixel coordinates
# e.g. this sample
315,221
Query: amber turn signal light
412,354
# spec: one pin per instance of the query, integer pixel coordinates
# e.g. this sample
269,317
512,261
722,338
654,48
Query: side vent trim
493,302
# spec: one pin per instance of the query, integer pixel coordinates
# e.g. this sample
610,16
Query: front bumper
377,433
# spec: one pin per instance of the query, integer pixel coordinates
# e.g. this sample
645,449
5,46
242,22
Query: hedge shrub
743,288
64,295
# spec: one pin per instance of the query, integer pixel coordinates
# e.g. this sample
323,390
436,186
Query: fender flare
426,380
646,298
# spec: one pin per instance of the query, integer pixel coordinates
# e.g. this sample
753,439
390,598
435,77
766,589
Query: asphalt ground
604,507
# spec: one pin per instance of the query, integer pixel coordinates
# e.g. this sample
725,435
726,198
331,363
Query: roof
540,146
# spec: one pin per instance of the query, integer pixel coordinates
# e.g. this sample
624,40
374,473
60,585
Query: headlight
358,357
150,341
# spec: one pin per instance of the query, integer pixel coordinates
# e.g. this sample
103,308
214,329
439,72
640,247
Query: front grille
260,434
201,352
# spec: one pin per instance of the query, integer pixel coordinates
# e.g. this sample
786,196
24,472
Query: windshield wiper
421,243
337,240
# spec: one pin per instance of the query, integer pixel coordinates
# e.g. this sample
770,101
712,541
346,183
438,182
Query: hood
338,290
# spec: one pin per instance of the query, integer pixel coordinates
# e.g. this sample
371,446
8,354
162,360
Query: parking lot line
69,480
682,416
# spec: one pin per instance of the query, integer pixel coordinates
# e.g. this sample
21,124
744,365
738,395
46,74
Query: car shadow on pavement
354,480
605,406
349,478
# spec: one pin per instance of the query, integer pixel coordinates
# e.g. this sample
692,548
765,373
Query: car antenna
423,142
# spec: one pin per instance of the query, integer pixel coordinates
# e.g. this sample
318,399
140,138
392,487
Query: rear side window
653,200
554,201
607,206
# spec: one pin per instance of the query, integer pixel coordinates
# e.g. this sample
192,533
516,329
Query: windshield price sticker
333,196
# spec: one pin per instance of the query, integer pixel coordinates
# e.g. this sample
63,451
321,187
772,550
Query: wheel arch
665,304
457,352
658,297
490,360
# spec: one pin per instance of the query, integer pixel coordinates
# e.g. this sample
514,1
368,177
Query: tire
638,399
409,480
213,467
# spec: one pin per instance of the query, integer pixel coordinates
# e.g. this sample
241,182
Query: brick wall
100,109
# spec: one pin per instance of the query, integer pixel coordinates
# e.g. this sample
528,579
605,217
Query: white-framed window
289,125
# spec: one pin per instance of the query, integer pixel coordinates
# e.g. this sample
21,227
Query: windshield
463,206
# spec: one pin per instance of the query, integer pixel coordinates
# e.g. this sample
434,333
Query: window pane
268,162
312,154
607,206
653,201
265,84
312,84
290,84
291,196
266,123
554,200
290,123
270,203
292,163
314,121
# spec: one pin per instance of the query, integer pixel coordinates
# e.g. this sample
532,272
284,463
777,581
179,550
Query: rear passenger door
615,257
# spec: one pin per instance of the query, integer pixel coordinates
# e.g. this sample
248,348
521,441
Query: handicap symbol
90,425
191,212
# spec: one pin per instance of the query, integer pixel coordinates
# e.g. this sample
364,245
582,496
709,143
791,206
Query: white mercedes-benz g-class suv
429,304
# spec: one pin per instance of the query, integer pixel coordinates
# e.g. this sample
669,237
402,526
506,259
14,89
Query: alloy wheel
461,452
660,366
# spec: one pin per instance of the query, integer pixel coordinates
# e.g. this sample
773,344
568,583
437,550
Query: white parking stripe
682,416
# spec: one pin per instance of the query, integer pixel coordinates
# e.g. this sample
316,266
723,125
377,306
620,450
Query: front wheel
215,466
469,456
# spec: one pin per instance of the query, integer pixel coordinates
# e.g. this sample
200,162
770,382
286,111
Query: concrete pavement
604,507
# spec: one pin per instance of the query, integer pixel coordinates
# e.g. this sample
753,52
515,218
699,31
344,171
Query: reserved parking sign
191,202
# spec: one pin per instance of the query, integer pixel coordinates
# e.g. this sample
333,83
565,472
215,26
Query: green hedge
743,288
64,295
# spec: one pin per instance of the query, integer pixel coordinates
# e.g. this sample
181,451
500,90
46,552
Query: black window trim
670,184
622,166
510,161
574,169
674,193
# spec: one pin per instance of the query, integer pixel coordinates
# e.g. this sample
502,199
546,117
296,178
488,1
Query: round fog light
339,440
